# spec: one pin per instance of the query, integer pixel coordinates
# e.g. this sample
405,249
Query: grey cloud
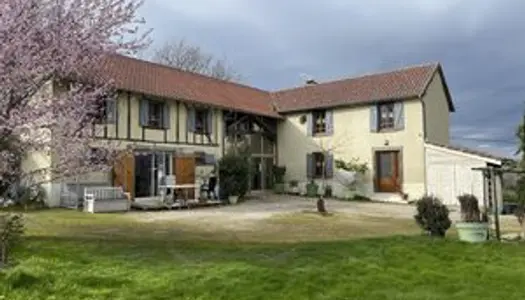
479,43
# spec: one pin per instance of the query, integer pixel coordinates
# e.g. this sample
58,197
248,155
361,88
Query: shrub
432,216
470,212
278,174
234,175
11,230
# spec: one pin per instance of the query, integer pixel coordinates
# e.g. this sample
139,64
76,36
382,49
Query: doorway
149,167
387,169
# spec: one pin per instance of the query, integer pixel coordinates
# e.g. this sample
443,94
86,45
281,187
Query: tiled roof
467,151
398,84
149,78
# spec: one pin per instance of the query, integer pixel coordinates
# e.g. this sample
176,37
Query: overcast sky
481,45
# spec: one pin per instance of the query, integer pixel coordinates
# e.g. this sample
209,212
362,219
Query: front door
387,172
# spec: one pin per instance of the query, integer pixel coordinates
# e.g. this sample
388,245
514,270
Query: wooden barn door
184,167
124,172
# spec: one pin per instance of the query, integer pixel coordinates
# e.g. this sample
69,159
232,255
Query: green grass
70,255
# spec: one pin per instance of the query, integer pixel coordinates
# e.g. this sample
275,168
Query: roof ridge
362,75
190,72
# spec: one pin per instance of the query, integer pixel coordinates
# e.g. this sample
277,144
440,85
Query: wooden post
495,203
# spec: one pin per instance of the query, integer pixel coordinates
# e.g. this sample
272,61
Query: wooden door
388,171
124,172
184,167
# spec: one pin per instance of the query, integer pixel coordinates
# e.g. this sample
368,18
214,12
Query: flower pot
311,190
279,188
233,199
472,232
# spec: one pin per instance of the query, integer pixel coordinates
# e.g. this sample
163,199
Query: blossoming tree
46,43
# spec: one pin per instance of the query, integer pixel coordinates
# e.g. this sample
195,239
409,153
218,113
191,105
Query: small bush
470,212
278,174
234,175
11,231
432,216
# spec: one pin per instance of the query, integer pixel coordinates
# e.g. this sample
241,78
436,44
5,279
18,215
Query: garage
449,173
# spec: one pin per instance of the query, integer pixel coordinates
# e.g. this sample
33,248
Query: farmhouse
180,123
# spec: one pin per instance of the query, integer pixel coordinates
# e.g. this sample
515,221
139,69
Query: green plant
432,216
11,231
234,174
352,166
470,212
278,174
312,189
25,196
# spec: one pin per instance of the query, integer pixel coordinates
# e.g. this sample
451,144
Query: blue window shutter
309,124
111,111
329,121
309,166
329,166
209,159
373,118
191,119
166,116
399,116
209,122
143,112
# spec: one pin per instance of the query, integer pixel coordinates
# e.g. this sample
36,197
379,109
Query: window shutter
309,166
329,120
209,122
209,159
373,118
143,112
166,116
111,111
309,124
399,116
191,119
329,166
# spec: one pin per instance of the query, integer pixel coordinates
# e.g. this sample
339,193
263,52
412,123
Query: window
155,114
318,164
386,118
100,115
104,111
201,121
319,121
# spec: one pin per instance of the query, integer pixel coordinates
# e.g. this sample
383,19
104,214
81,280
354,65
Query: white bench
105,199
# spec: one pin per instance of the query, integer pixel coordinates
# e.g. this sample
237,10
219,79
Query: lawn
70,255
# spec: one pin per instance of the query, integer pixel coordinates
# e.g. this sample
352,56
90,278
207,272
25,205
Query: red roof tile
149,78
399,84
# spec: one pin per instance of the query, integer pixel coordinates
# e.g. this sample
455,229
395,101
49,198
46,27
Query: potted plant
474,225
312,189
294,187
278,177
234,175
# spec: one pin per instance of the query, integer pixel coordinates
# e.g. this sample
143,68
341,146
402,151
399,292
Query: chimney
311,82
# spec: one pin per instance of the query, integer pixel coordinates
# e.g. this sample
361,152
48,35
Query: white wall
450,174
